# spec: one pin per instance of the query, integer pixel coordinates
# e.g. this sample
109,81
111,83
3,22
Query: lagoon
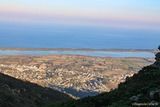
79,52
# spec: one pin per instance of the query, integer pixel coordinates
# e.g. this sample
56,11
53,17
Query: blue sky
135,13
79,19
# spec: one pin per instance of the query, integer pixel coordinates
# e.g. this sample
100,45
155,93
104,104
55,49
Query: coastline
93,53
79,76
79,49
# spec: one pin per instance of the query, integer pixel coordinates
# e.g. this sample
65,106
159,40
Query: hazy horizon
94,24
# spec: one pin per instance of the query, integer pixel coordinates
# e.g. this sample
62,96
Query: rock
157,58
154,103
155,95
134,98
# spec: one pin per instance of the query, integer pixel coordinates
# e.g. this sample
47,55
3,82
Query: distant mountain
143,89
17,93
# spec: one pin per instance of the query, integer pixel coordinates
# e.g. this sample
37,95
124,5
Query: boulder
155,95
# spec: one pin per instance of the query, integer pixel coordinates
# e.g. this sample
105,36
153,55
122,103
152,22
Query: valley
75,75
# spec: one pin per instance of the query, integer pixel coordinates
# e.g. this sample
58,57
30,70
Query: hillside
18,93
143,89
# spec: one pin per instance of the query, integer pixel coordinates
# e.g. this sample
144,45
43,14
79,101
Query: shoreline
81,52
78,56
79,49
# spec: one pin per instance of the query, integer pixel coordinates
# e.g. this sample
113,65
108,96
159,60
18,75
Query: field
78,76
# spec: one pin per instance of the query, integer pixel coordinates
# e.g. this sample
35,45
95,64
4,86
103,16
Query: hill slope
17,93
141,89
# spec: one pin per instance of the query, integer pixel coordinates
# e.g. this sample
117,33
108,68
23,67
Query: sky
130,13
65,15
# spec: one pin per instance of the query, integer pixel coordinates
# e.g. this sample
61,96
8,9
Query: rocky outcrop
155,95
157,58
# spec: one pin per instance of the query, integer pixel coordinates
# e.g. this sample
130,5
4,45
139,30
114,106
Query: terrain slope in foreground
143,89
18,93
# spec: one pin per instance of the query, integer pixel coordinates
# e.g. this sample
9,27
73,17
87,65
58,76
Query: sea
14,35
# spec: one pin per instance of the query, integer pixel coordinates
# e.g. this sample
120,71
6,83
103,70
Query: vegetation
141,89
17,93
79,76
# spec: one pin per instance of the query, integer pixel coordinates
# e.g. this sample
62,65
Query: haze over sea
102,24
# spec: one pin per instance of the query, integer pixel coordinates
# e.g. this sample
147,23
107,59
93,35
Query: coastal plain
76,75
